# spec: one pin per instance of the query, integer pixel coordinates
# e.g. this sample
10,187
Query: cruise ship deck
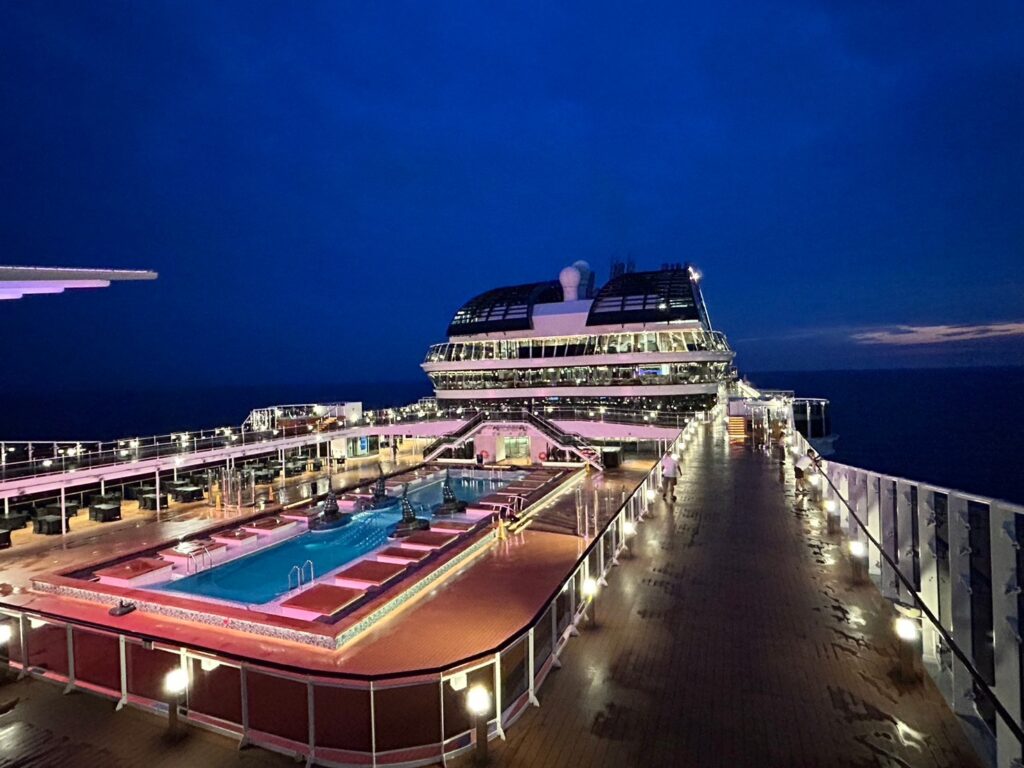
728,634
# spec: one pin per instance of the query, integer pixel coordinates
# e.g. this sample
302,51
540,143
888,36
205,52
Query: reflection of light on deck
855,617
908,736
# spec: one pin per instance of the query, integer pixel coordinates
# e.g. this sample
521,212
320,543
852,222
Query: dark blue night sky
320,185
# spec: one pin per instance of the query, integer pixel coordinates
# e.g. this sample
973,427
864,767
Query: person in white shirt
803,468
669,475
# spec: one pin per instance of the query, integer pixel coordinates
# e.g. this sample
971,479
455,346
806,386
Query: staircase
737,429
570,443
564,440
454,439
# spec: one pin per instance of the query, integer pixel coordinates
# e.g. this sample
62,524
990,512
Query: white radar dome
570,279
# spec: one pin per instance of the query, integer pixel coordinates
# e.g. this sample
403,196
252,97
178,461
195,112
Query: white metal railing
957,558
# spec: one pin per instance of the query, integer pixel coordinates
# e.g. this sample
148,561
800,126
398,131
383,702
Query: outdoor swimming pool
264,575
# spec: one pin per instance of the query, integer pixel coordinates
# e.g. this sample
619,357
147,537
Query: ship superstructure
641,342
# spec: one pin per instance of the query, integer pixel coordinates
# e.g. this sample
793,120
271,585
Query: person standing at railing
803,468
669,475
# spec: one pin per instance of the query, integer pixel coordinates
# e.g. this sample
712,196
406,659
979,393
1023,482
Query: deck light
5,634
906,629
858,561
909,634
830,506
175,682
589,591
651,494
478,702
47,462
629,528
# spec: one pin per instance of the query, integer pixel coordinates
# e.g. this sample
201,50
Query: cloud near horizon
919,335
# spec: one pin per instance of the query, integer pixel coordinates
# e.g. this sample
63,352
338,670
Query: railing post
71,660
929,591
554,632
906,547
873,520
960,584
530,660
23,641
497,694
244,685
122,652
311,718
887,516
373,730
1006,584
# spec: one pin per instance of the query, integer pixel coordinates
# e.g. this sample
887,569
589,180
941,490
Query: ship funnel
570,279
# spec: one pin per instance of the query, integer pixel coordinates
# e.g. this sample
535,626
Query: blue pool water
263,576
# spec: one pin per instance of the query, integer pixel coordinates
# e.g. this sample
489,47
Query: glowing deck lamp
5,634
589,592
651,494
629,528
909,634
832,518
478,703
858,561
175,683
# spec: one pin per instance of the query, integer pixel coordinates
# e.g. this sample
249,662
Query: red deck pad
404,553
371,571
430,538
325,599
133,568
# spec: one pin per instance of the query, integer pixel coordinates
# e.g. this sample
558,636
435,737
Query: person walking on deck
669,475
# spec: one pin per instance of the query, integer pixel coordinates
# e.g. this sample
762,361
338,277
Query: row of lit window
574,346
580,376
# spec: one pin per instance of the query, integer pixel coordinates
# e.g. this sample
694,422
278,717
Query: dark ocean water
958,428
954,427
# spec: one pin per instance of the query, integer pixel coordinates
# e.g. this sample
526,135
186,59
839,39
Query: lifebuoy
542,456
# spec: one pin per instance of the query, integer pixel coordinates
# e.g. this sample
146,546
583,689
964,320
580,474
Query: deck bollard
831,516
589,590
858,561
478,702
909,635
175,683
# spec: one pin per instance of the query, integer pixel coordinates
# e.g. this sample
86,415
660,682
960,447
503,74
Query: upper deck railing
23,459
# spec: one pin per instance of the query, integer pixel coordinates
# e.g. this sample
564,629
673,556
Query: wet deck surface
42,728
732,638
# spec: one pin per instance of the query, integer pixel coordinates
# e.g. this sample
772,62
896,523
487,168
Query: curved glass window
582,376
579,346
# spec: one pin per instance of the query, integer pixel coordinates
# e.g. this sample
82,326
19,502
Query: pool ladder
198,558
299,573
